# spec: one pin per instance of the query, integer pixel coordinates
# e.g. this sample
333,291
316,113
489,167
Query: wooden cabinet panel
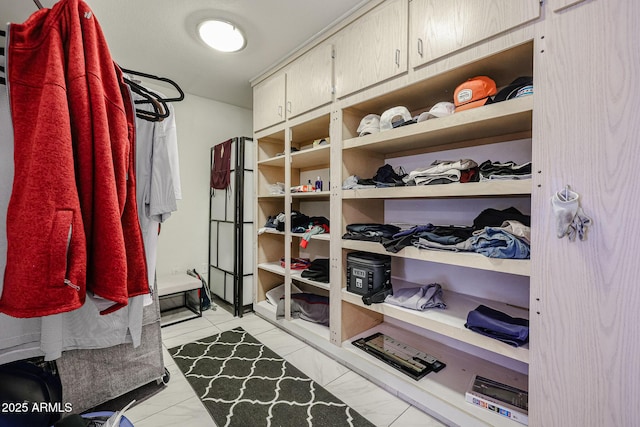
268,102
373,48
586,339
558,5
438,28
309,81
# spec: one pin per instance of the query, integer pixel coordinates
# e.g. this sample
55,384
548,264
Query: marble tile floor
178,405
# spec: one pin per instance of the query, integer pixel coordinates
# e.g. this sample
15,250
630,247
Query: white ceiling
158,37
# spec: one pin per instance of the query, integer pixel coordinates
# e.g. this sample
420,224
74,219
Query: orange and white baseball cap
473,93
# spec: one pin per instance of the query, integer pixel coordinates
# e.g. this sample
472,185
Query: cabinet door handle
288,106
398,58
280,110
420,48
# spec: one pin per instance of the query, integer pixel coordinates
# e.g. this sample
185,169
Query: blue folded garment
495,242
498,325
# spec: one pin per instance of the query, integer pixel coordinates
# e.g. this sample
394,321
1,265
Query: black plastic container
367,272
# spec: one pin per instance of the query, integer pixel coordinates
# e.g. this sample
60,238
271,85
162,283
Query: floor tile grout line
164,409
400,415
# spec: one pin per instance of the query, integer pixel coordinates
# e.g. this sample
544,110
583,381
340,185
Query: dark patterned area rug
243,383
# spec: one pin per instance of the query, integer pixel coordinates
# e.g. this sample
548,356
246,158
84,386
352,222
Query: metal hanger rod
37,2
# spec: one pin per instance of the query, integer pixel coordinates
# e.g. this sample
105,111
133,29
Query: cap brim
369,131
472,104
424,117
509,91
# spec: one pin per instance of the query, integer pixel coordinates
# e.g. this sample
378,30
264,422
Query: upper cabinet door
268,102
440,27
309,81
373,48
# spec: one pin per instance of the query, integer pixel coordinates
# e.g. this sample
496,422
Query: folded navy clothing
496,324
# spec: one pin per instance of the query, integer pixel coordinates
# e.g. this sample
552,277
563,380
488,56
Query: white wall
201,123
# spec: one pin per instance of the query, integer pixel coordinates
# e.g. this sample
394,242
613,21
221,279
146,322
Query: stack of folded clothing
495,217
495,233
444,172
354,182
498,325
445,237
418,298
370,232
386,176
318,270
305,306
405,237
299,221
274,294
510,240
502,171
501,234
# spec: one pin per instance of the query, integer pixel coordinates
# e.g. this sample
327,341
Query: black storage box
367,272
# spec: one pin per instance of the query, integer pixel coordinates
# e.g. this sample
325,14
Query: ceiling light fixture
221,35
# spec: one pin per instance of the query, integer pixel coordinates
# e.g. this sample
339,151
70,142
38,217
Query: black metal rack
229,216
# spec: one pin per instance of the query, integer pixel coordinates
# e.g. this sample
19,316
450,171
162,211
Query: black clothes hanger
158,102
37,2
162,79
160,109
3,81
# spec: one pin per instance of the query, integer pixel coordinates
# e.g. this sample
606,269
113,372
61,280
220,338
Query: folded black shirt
370,232
495,217
318,270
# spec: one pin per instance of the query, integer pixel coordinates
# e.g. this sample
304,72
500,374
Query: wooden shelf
468,189
275,267
444,390
450,321
520,267
322,236
268,230
320,195
272,267
490,121
311,157
271,197
278,161
309,332
297,275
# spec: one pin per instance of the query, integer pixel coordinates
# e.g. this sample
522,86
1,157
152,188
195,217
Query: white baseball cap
393,115
441,109
369,124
